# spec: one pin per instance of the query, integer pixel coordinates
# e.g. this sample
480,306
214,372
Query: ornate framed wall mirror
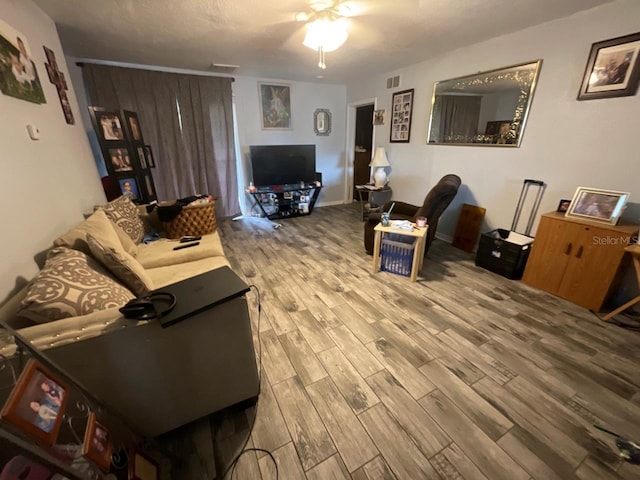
485,109
322,121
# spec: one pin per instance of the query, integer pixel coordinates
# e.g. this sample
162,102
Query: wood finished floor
461,375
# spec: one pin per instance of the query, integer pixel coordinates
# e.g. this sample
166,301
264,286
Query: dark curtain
457,117
187,120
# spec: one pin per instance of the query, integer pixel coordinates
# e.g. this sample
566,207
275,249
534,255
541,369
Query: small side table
635,251
418,255
365,192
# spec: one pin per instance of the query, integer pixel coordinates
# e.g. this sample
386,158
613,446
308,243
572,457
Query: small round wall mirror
322,121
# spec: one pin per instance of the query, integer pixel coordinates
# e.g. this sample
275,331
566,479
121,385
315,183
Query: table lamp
380,161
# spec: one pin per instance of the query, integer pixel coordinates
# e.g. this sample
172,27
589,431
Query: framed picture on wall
379,116
37,402
402,109
275,105
613,68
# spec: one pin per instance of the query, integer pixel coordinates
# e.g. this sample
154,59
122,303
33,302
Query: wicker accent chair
435,203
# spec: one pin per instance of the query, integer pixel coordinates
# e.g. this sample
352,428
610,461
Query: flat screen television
283,164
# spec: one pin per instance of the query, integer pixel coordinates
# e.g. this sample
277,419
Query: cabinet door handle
580,250
567,250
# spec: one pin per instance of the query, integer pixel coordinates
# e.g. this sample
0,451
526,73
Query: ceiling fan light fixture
327,33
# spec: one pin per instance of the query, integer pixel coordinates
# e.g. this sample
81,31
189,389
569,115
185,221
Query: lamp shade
380,158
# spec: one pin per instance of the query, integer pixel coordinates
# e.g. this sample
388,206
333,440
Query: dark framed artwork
605,206
97,444
56,77
151,163
151,191
143,467
613,68
129,187
141,157
563,206
120,159
18,74
401,111
37,402
275,105
109,126
133,124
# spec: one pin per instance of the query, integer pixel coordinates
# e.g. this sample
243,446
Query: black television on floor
283,164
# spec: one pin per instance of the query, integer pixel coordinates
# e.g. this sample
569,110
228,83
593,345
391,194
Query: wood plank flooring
461,375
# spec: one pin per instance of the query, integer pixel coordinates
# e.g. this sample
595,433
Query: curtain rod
81,65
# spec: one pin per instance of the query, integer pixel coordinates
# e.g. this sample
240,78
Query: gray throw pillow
71,284
124,213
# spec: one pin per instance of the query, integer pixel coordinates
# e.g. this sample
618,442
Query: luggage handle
536,204
534,182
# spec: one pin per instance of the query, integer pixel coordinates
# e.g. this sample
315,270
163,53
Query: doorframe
349,158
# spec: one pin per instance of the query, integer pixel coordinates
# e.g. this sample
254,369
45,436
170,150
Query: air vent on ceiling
393,82
223,68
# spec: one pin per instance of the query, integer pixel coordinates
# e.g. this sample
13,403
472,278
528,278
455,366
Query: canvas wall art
18,74
275,106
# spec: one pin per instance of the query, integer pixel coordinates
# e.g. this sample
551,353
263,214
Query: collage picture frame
402,111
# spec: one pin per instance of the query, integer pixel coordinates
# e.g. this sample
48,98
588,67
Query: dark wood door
363,146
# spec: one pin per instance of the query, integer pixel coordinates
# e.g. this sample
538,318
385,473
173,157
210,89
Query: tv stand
286,201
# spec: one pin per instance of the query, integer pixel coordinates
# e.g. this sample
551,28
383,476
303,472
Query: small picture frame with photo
379,117
37,403
97,443
133,124
109,126
142,466
148,154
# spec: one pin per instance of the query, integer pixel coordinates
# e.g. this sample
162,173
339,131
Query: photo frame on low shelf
37,403
129,187
613,68
109,126
133,125
563,206
604,206
97,443
142,466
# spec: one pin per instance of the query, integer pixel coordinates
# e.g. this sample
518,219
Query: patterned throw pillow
71,284
124,213
122,265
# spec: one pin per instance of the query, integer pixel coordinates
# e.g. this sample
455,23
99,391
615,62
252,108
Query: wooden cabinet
577,260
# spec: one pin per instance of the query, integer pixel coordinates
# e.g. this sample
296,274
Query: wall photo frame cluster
402,110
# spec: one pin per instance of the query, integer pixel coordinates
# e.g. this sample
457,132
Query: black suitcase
506,252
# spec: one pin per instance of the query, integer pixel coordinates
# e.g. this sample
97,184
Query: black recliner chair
436,202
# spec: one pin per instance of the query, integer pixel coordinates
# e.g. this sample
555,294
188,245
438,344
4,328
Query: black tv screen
283,164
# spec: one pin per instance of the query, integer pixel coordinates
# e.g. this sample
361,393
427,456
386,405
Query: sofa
70,311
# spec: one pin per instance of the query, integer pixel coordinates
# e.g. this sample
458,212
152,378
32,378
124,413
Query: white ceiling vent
393,82
223,68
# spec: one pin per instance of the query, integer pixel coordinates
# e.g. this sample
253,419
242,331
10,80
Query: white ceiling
263,37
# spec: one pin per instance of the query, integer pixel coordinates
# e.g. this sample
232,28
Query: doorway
363,146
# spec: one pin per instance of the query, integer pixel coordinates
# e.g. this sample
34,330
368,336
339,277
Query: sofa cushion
99,225
124,213
122,265
161,253
70,284
163,276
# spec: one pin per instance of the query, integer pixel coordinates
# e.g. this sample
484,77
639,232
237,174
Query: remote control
186,245
190,238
